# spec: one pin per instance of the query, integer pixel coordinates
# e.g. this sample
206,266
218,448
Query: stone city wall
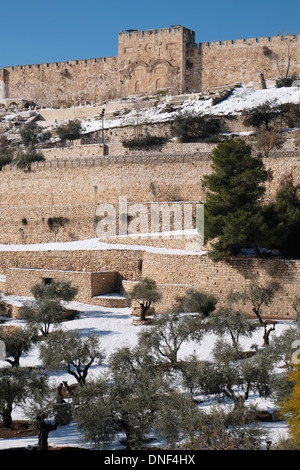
63,83
241,60
150,61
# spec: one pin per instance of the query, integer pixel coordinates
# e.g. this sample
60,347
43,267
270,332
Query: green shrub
189,128
147,141
286,81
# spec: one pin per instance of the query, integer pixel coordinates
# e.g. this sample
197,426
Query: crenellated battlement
148,32
166,59
63,64
260,40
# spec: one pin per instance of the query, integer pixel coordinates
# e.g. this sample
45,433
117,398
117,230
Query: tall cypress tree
232,212
284,220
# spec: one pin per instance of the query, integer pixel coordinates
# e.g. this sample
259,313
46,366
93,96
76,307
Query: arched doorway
160,75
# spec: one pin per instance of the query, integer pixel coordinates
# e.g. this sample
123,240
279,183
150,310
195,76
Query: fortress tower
156,60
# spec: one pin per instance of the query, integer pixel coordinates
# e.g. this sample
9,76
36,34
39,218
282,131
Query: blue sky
34,31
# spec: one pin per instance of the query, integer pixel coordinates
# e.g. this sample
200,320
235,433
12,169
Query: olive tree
41,314
167,335
284,346
233,322
70,131
199,302
17,342
47,308
25,158
93,412
72,352
46,413
5,152
57,289
17,384
258,296
28,133
223,429
232,378
145,293
177,418
126,401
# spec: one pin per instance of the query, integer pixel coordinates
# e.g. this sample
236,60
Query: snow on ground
244,98
115,330
95,244
241,99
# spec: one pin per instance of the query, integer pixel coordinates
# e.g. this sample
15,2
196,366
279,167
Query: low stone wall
20,281
94,151
125,262
221,278
174,271
174,242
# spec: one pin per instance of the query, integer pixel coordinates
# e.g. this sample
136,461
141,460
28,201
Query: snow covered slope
241,99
